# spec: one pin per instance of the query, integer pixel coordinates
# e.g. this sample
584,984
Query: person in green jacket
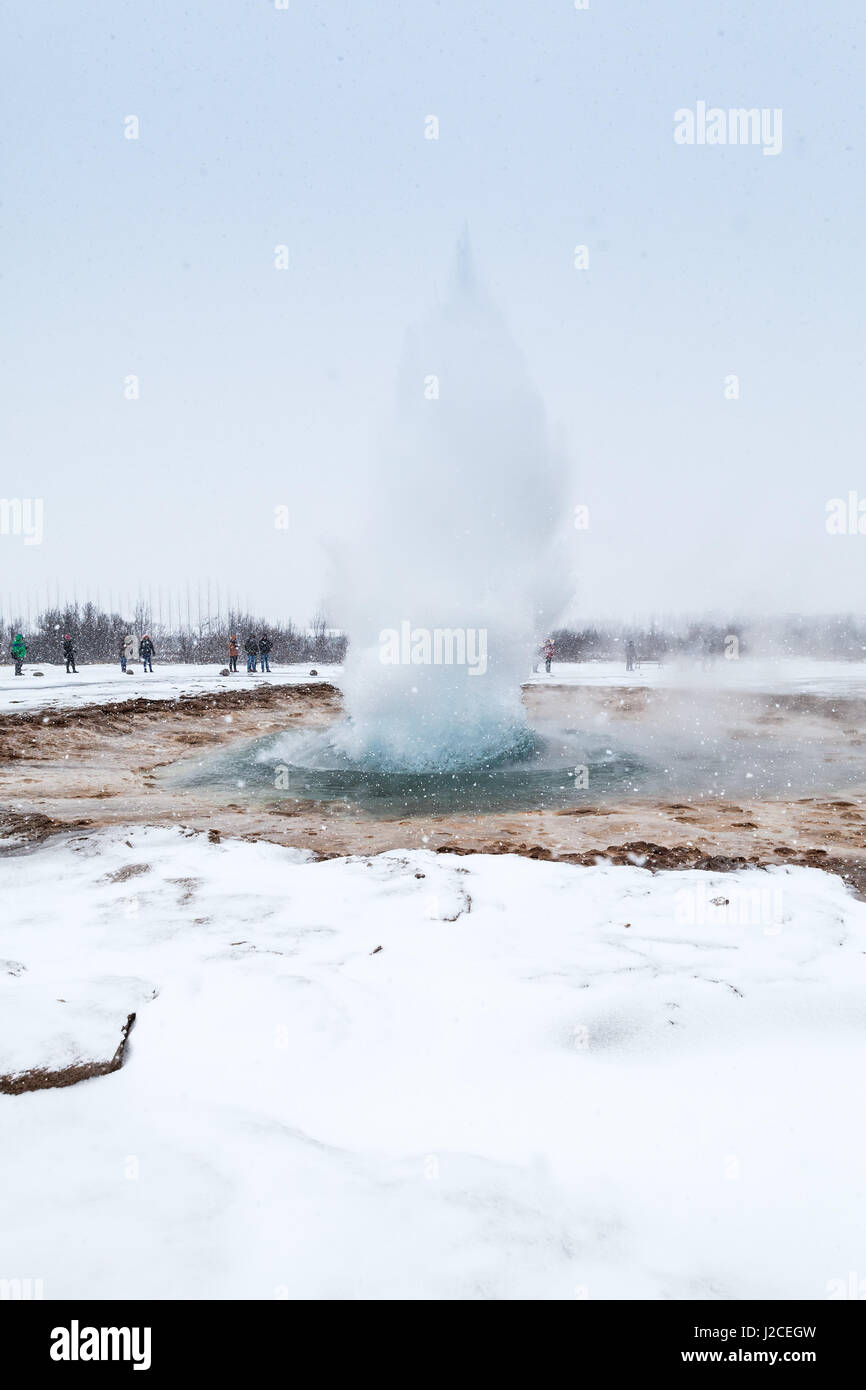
19,651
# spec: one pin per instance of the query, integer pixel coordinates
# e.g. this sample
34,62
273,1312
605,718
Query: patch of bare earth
44,1078
32,827
94,765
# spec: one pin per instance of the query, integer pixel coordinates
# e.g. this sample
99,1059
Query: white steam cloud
456,544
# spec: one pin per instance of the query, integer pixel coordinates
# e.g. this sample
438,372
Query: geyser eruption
450,570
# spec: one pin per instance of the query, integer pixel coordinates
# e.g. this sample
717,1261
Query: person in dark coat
233,653
251,647
265,651
146,651
69,654
122,650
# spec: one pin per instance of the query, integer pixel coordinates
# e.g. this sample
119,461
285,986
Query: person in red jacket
234,651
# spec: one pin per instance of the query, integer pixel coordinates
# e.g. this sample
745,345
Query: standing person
251,647
69,654
233,653
19,651
146,651
128,650
630,654
548,654
265,651
122,650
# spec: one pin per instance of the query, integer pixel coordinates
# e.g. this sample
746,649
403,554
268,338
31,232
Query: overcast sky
305,127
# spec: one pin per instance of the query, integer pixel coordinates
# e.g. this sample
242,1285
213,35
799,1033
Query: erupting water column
450,576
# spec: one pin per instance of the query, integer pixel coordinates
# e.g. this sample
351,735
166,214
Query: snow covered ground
799,674
97,685
550,1082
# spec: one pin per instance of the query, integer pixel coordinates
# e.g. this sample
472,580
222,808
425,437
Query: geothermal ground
71,765
270,1049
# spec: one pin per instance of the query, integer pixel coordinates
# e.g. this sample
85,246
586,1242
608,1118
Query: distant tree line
836,637
608,642
97,637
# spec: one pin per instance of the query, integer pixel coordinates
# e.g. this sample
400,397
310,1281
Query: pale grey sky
305,127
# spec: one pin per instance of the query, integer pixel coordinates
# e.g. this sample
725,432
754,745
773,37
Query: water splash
456,537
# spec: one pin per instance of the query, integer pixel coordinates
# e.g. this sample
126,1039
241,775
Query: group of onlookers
146,651
143,650
18,652
255,648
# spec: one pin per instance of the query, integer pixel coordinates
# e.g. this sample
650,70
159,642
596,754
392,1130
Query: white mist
457,537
